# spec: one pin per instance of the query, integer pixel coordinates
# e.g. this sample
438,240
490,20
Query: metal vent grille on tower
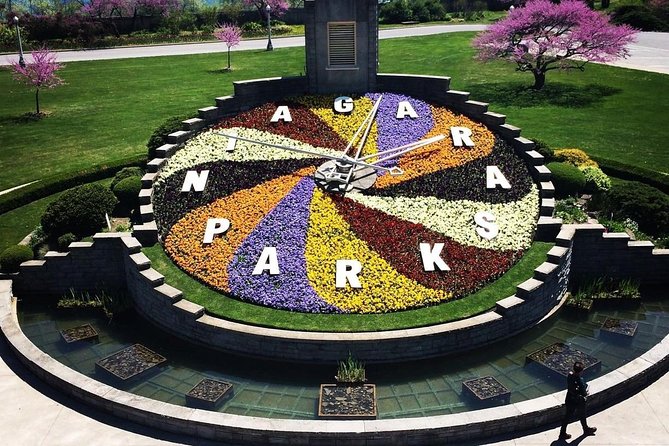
341,44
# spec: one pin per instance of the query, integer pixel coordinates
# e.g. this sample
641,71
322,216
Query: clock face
360,204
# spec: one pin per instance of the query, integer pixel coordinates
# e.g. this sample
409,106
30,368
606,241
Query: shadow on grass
24,118
553,94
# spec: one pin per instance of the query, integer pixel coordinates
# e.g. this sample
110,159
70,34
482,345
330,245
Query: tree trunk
37,100
228,58
539,79
606,4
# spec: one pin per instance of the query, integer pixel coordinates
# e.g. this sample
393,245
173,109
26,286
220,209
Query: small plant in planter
579,303
351,371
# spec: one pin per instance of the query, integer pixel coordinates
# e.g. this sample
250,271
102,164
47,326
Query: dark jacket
577,389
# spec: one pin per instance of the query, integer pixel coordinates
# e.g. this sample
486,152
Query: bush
644,204
634,173
159,135
12,257
575,157
253,29
639,16
37,237
80,211
65,240
126,172
569,212
596,180
567,179
127,192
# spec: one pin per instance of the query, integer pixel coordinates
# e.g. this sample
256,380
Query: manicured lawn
224,306
109,108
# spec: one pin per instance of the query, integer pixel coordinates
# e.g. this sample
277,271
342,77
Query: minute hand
309,152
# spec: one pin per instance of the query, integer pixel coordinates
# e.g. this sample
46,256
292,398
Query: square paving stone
559,358
208,393
131,362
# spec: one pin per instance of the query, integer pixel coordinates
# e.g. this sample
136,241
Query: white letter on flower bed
347,272
215,226
430,256
343,104
195,180
461,135
404,108
267,262
487,228
494,178
282,113
231,142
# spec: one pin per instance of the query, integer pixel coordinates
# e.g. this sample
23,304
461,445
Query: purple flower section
393,132
285,228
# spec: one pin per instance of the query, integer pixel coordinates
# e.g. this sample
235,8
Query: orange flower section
442,155
245,209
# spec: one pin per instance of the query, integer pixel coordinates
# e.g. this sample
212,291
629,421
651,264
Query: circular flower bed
271,199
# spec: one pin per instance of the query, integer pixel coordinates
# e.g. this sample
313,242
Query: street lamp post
18,33
269,29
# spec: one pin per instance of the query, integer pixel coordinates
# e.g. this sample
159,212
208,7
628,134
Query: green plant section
351,370
223,306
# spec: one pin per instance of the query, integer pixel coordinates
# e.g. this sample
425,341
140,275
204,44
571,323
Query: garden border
239,429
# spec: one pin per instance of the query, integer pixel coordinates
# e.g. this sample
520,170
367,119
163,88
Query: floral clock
363,204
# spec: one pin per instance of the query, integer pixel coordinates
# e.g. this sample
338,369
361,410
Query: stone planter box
559,359
84,332
347,402
209,394
619,329
486,390
130,363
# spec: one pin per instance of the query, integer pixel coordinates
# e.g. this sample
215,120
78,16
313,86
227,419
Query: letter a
215,226
462,136
404,108
487,228
282,113
195,180
267,262
431,257
347,272
494,178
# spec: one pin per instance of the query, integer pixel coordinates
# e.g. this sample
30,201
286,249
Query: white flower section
209,146
455,219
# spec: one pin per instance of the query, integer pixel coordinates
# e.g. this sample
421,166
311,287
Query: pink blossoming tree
230,34
39,74
544,36
277,7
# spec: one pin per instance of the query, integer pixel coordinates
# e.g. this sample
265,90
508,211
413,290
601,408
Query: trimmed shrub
127,192
80,211
567,179
634,173
644,204
639,16
65,240
12,257
596,180
124,173
575,157
159,135
544,149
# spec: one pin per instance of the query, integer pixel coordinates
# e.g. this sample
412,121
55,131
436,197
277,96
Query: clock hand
362,124
401,150
343,158
369,120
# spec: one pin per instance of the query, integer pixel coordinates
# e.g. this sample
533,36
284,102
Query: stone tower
341,39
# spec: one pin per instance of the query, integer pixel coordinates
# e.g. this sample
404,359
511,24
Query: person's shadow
573,441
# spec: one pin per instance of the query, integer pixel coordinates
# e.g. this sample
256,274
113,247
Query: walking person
577,393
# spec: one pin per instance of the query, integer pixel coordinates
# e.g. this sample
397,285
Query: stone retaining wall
236,429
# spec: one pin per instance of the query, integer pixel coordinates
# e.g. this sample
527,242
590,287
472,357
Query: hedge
633,173
58,183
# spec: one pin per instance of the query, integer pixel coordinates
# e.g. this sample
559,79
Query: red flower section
398,244
305,125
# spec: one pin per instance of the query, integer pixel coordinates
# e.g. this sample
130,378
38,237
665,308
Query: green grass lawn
220,305
109,108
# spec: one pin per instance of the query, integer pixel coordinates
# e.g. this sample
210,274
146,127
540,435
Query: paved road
649,53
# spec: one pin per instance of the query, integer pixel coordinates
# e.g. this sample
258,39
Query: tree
40,73
230,34
277,7
543,36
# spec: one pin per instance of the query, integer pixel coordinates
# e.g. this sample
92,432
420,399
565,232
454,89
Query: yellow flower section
330,238
245,209
442,155
344,125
